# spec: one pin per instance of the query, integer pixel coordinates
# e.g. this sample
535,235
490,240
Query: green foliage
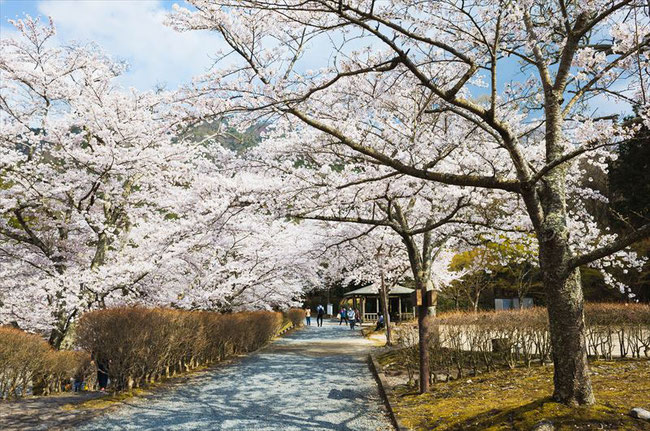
492,267
227,136
629,179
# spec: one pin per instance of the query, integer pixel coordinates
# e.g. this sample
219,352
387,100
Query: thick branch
445,178
431,225
357,220
565,158
619,244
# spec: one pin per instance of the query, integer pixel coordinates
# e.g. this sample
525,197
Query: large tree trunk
562,283
56,338
61,328
565,301
424,334
426,314
567,326
384,306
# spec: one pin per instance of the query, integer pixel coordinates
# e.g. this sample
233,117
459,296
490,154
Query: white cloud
134,31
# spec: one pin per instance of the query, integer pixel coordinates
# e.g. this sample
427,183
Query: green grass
518,399
109,400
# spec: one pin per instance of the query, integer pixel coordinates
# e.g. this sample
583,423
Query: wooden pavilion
400,304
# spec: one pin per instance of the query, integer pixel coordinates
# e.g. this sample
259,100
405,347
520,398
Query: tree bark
567,327
565,305
384,305
60,330
572,383
565,301
424,334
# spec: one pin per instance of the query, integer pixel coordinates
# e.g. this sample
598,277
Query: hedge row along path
312,379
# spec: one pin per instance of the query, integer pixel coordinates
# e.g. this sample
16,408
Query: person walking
344,316
308,316
351,318
102,374
358,316
78,379
320,312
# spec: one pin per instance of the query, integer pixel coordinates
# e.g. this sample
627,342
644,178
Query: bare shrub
296,316
141,345
467,342
29,364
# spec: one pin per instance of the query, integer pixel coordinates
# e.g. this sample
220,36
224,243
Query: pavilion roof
373,289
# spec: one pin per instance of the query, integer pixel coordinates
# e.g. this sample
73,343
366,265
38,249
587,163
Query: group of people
320,313
350,316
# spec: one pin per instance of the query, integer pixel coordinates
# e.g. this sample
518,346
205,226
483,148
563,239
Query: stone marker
640,413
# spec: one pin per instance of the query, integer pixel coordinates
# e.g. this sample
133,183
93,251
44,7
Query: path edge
168,384
385,391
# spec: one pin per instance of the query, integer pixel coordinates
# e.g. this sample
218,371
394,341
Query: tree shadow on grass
525,417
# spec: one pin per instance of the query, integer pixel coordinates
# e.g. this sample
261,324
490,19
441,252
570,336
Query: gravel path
312,379
42,413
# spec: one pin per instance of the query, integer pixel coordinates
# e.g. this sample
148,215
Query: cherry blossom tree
401,220
506,87
80,160
104,201
372,254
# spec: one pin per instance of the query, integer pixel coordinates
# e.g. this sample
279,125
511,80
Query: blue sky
133,30
130,30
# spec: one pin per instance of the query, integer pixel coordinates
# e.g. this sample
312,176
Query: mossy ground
518,399
107,401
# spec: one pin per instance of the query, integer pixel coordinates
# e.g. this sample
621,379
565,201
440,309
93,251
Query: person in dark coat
320,312
102,373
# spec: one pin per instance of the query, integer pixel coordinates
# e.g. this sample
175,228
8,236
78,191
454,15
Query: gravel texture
313,379
42,413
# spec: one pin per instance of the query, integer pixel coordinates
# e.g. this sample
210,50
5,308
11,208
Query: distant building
400,305
512,303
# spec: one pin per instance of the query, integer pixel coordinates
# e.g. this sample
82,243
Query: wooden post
399,307
385,301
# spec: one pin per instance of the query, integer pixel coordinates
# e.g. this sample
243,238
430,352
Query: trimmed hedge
473,342
141,345
29,365
296,316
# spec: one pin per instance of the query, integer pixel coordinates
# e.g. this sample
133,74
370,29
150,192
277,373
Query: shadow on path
312,379
40,413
